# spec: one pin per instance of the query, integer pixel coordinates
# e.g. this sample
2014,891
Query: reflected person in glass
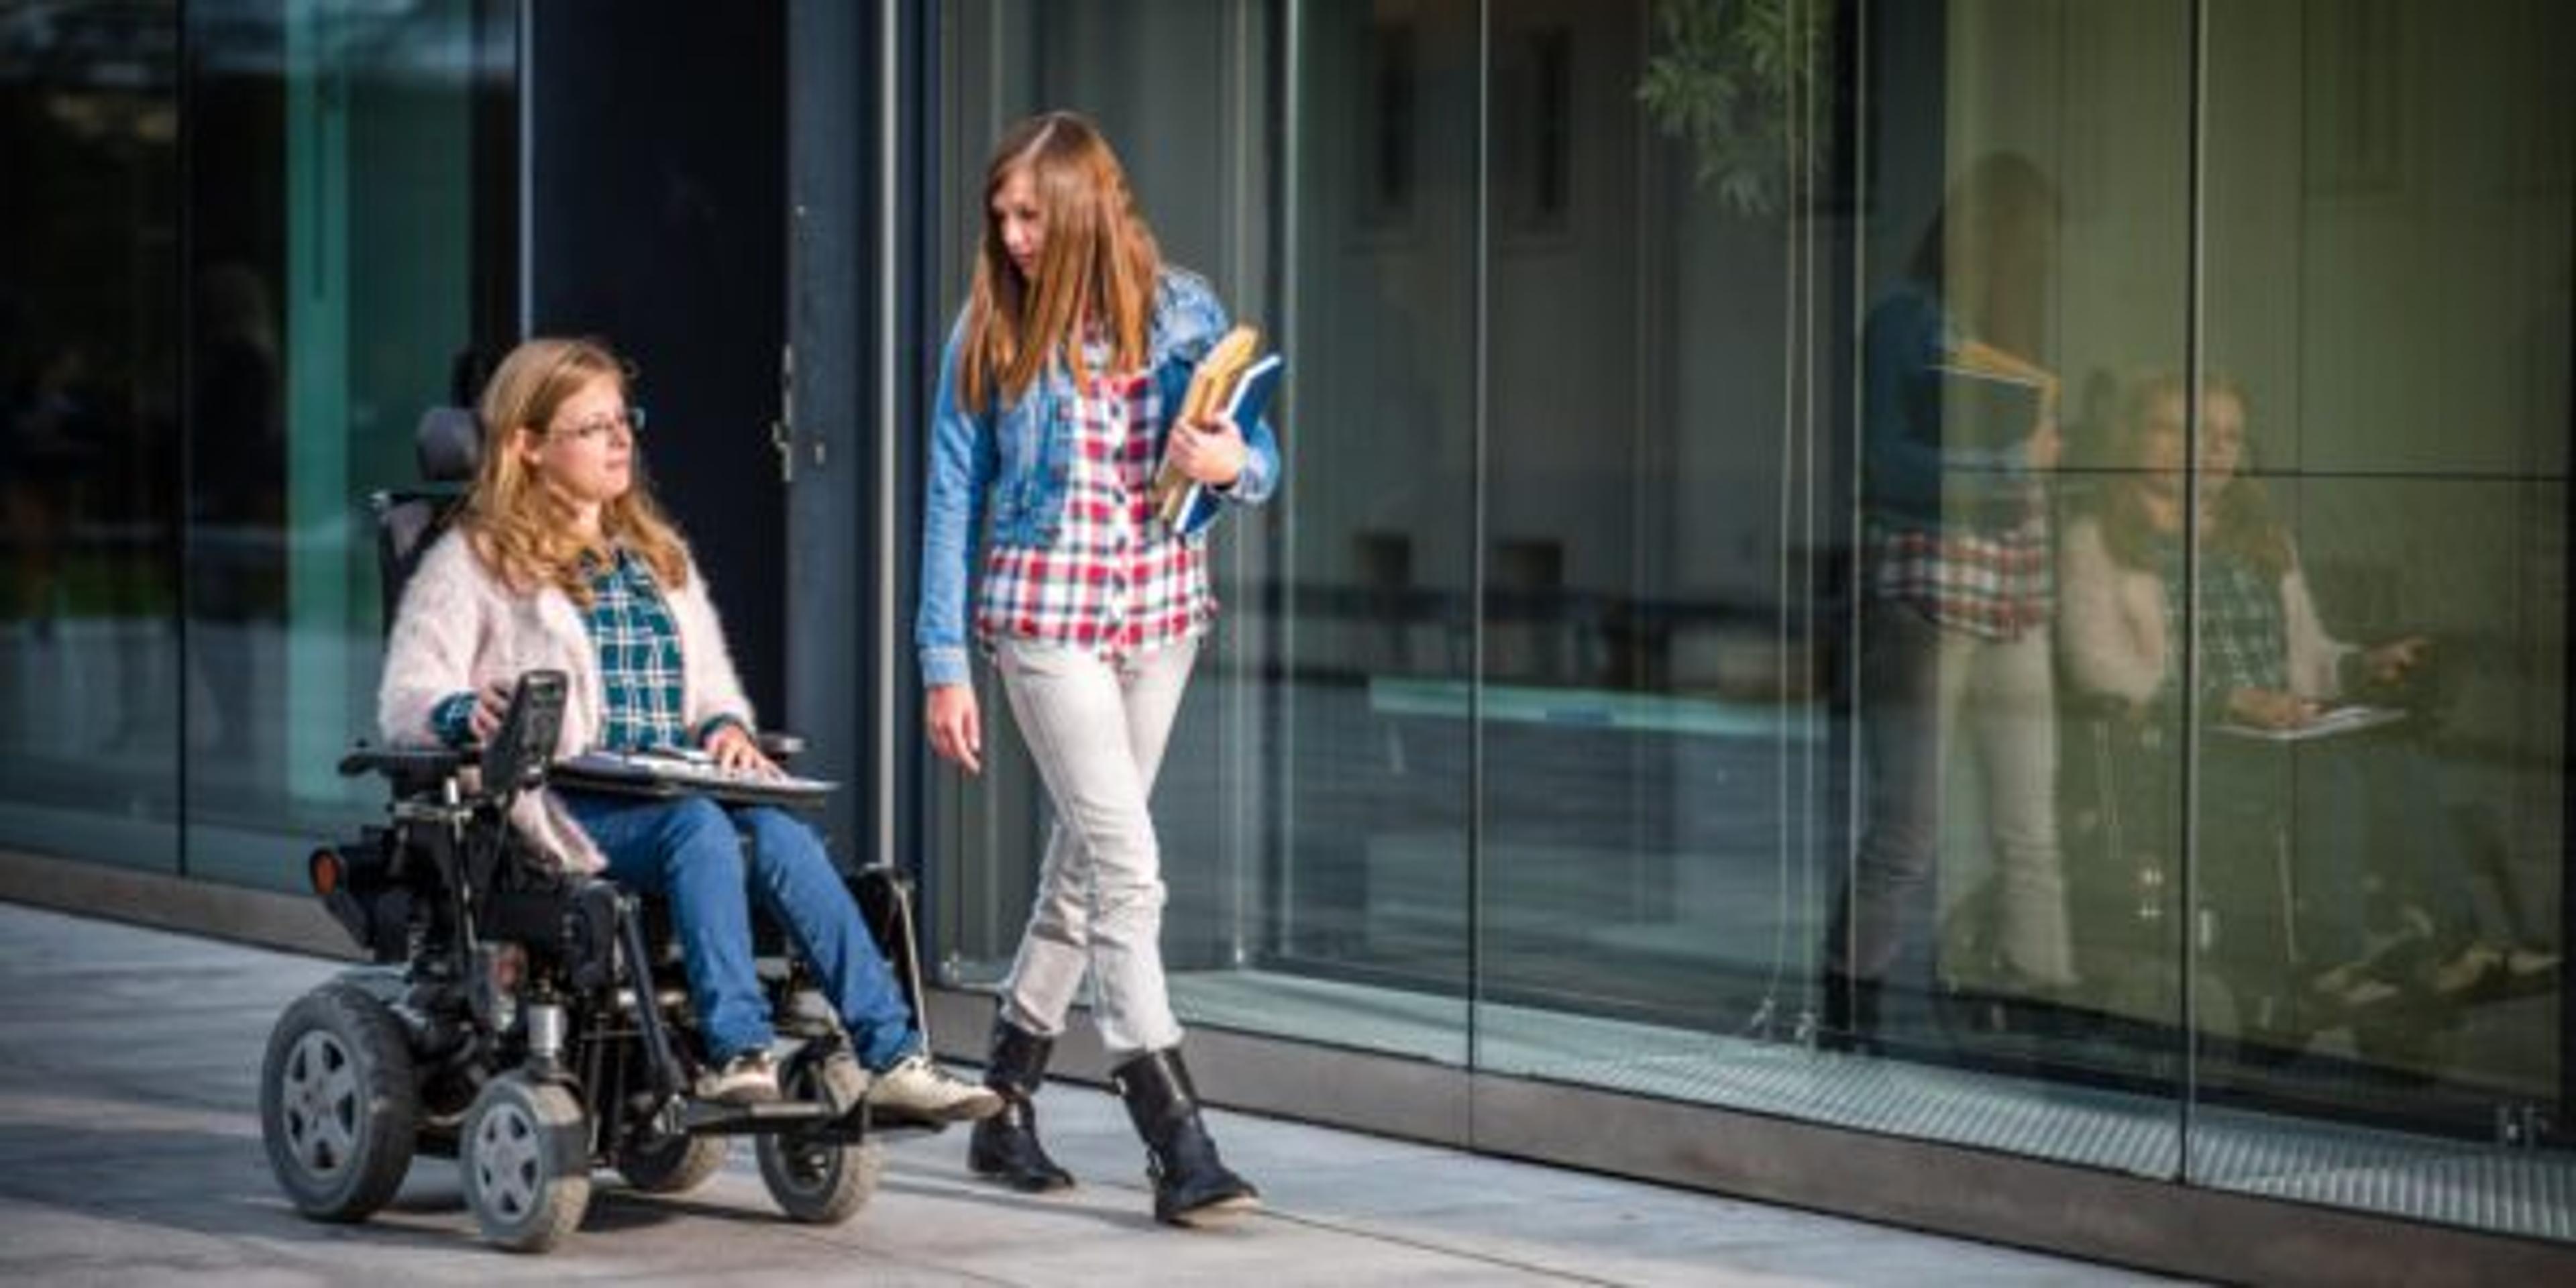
1959,430
561,560
50,438
1057,396
2267,662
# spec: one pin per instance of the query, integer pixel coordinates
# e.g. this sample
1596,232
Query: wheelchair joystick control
519,751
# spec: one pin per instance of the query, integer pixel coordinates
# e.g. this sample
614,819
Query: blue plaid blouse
642,684
2244,639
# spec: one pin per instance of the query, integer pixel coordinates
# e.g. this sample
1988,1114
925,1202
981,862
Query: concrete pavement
130,1154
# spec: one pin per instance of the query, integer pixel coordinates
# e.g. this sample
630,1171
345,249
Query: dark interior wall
656,219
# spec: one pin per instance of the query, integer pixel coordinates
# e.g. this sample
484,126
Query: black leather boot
1191,1184
1005,1146
1850,1021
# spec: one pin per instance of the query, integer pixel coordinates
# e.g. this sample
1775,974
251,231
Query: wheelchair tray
624,774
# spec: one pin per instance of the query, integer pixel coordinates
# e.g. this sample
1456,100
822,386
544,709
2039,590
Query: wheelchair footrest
710,1118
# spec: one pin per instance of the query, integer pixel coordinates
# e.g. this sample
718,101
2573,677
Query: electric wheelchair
533,1024
2252,923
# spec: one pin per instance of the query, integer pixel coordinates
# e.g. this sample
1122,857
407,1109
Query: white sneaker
747,1079
913,1087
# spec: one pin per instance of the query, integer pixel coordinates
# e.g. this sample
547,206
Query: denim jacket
1011,464
1909,474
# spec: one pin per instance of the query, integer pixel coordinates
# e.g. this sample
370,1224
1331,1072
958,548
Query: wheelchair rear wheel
338,1103
816,1178
525,1156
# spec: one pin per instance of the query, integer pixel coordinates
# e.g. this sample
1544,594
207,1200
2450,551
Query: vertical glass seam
1855,627
1803,209
184,459
1787,497
527,167
2194,336
891,120
1284,297
1480,295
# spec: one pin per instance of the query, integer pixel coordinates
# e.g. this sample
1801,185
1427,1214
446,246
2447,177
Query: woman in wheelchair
560,559
2267,664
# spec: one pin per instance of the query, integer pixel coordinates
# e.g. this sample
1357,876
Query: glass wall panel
2012,909
1800,315
1654,690
90,685
2382,442
1369,895
1732,632
331,277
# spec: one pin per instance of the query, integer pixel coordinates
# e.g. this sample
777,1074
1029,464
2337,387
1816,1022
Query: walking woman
1056,399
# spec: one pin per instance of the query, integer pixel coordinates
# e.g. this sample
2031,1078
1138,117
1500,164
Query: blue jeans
690,851
2376,811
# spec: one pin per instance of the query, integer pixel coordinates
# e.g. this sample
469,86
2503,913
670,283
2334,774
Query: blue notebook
1197,507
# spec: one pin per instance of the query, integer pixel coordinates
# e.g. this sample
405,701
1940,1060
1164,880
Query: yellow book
1211,387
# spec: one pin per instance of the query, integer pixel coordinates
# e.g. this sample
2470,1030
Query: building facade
1731,691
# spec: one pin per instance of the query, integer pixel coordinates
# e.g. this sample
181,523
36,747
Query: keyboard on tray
685,773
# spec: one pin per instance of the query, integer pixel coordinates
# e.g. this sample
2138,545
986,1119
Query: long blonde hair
516,525
1098,264
2246,525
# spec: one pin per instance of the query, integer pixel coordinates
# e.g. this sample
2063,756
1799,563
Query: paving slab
130,1154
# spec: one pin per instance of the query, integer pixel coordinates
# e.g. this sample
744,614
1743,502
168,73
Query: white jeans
1096,731
1927,694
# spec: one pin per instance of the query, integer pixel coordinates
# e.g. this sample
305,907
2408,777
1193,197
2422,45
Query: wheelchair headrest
451,445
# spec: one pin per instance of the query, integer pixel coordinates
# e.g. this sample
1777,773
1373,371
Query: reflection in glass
1958,434
1367,912
1696,651
327,301
1648,685
2380,899
90,687
2389,305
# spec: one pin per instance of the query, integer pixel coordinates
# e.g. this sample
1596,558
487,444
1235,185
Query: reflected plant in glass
1739,80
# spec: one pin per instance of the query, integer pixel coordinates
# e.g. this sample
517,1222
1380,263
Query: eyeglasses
631,420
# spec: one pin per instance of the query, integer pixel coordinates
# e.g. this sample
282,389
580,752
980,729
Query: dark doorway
656,136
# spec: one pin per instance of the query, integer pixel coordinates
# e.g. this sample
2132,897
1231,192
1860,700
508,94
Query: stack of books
1231,384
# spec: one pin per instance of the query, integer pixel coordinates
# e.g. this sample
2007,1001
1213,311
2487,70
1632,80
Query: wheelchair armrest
401,762
780,746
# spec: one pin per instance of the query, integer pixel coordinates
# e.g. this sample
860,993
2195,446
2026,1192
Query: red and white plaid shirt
2000,584
1116,581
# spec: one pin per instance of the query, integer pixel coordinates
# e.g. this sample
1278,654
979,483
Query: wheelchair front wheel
525,1156
338,1103
816,1179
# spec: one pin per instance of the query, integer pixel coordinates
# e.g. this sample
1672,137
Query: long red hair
1097,266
